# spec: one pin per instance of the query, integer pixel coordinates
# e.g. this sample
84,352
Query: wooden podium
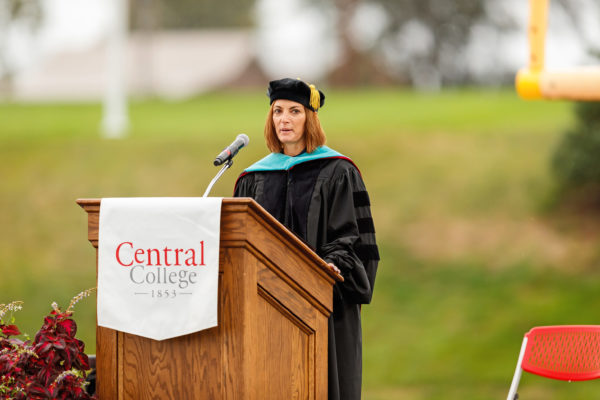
275,296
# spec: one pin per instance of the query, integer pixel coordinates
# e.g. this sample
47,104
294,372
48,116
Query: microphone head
244,138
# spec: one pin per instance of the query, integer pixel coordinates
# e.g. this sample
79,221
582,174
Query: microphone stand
228,164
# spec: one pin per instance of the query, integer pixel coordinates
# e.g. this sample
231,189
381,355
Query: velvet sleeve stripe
367,252
365,225
361,199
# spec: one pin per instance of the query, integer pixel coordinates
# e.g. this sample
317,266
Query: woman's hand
333,267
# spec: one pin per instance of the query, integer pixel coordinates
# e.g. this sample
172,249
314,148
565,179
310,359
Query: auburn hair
314,136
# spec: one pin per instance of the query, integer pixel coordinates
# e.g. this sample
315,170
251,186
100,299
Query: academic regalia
321,197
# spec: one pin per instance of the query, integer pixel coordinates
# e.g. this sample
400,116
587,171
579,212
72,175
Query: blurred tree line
25,15
425,40
422,43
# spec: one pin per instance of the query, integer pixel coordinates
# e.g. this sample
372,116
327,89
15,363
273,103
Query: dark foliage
52,367
576,161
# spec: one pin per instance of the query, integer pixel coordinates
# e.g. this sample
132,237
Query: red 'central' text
127,255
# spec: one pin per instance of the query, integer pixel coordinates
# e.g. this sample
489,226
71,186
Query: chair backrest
566,352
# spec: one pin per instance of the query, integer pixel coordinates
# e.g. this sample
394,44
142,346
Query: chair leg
512,393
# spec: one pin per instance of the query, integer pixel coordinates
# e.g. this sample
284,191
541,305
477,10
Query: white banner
158,265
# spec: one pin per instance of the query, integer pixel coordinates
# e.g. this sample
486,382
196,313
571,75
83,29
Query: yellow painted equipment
535,82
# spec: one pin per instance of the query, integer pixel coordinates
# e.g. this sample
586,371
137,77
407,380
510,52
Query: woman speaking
319,195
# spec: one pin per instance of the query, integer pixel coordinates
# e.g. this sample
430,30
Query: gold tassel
315,97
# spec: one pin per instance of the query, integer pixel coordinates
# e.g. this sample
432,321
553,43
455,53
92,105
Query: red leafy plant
51,367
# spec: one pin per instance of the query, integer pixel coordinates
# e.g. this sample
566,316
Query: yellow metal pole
538,23
528,79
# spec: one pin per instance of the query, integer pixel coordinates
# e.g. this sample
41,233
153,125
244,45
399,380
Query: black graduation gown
325,203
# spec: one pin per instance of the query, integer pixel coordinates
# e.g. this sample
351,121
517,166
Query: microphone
230,151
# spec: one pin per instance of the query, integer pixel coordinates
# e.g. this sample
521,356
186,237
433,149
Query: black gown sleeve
245,186
350,239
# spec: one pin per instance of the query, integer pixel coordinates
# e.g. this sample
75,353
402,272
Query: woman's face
289,119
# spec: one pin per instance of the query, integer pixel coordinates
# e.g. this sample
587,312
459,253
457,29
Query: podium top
229,206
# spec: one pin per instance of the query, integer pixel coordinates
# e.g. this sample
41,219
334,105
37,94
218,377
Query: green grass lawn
459,181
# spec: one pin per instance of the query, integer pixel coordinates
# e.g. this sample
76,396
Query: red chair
566,352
